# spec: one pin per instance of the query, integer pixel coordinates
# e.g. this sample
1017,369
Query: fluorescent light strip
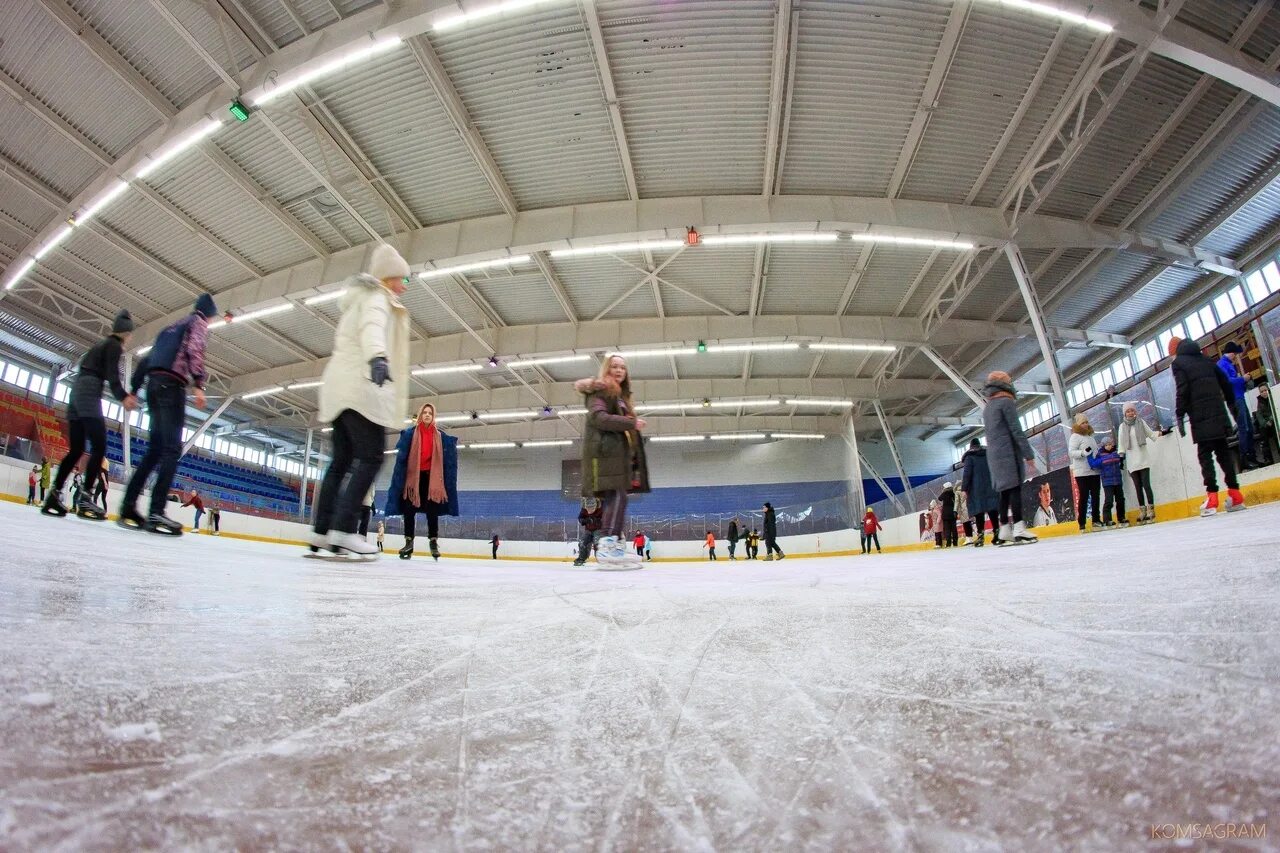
796,435
741,404
53,242
141,351
22,270
486,445
454,21
844,404
1054,12
756,239
479,265
263,393
102,201
389,452
830,345
572,412
721,348
158,158
351,58
446,419
440,371
561,443
668,407
558,359
618,248
673,438
322,298
646,353
746,436
254,315
961,245
301,385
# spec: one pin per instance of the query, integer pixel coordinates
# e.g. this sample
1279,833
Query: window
1225,309
62,393
10,374
1195,327
1257,285
23,378
1207,319
1272,274
1121,370
40,385
1143,356
1237,299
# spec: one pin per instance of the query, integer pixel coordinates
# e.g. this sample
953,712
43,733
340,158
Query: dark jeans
711,553
733,546
429,509
867,539
950,538
1206,450
1089,489
614,513
771,545
981,523
1244,429
167,405
357,456
1115,494
586,538
366,513
94,430
1142,485
1011,502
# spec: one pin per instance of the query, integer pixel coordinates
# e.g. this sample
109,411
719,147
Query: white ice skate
1004,534
1023,536
345,547
614,556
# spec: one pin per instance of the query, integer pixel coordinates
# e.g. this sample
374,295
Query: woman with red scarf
425,479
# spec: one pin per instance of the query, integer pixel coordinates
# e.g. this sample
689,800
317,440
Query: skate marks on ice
928,702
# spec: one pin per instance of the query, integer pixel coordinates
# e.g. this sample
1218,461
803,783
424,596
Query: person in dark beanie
771,534
101,364
733,538
1233,368
1205,395
983,500
175,361
1007,451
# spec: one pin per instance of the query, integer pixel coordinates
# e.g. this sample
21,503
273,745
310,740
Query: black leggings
1142,485
357,456
1206,450
80,429
980,520
950,538
1115,494
429,509
1089,498
1011,500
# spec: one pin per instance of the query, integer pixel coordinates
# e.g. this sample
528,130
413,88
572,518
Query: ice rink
213,693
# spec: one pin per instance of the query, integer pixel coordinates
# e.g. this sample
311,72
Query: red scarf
435,480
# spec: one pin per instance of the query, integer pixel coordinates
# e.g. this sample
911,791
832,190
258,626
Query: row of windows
1034,417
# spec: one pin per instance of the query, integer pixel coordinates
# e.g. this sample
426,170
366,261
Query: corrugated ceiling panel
94,250
1051,92
1218,18
975,106
722,276
847,364
309,332
390,111
49,62
889,275
991,292
427,310
1258,217
1169,288
929,283
531,88
27,208
1158,89
693,82
272,16
707,365
778,364
859,75
1266,38
595,281
1113,278
160,235
521,299
111,296
42,152
805,279
254,337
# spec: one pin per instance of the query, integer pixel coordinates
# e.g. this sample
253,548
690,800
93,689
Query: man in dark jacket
84,415
1205,395
733,538
771,534
589,520
950,539
982,498
1231,366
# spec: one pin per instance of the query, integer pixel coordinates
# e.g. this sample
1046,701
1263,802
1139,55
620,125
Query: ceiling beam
600,56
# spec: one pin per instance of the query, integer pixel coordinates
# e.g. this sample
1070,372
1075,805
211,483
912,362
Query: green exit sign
239,111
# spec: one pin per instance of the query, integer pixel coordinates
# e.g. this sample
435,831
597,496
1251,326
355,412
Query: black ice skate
435,550
53,505
131,519
163,525
87,509
407,551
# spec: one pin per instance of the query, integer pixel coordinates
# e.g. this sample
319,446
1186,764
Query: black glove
378,371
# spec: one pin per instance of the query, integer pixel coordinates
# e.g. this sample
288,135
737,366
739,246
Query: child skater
870,531
613,462
711,546
1110,465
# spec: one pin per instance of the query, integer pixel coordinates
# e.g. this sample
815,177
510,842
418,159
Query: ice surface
211,693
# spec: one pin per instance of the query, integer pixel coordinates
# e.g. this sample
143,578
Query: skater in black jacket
1206,397
100,365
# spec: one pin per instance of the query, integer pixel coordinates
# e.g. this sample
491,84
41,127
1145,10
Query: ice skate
162,524
1210,505
435,549
980,540
1235,500
613,556
87,509
1006,535
131,519
351,546
316,542
407,551
1023,536
53,505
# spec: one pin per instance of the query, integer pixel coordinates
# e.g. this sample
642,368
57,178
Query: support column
302,487
857,495
1036,315
893,450
875,475
126,429
954,375
208,422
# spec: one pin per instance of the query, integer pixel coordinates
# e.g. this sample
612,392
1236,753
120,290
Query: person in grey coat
1007,451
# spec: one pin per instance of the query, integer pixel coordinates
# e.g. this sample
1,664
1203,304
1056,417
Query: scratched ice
210,693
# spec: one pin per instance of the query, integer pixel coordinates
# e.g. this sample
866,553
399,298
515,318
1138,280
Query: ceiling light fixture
960,245
840,347
618,248
96,206
1053,11
53,242
350,58
829,404
487,445
156,159
478,265
457,368
722,348
454,21
742,436
558,443
141,351
299,386
757,239
321,298
556,359
446,419
263,393
660,353
674,438
22,270
796,435
254,315
742,404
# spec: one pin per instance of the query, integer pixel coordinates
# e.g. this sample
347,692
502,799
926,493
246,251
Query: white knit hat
385,262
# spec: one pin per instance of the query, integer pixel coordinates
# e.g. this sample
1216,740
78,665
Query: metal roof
539,113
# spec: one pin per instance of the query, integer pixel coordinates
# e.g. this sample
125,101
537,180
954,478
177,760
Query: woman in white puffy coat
1080,447
1135,439
365,392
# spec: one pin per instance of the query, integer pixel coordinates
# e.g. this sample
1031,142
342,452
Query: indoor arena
639,425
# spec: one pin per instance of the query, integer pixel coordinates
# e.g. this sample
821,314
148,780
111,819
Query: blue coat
1239,384
395,501
1110,465
976,484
